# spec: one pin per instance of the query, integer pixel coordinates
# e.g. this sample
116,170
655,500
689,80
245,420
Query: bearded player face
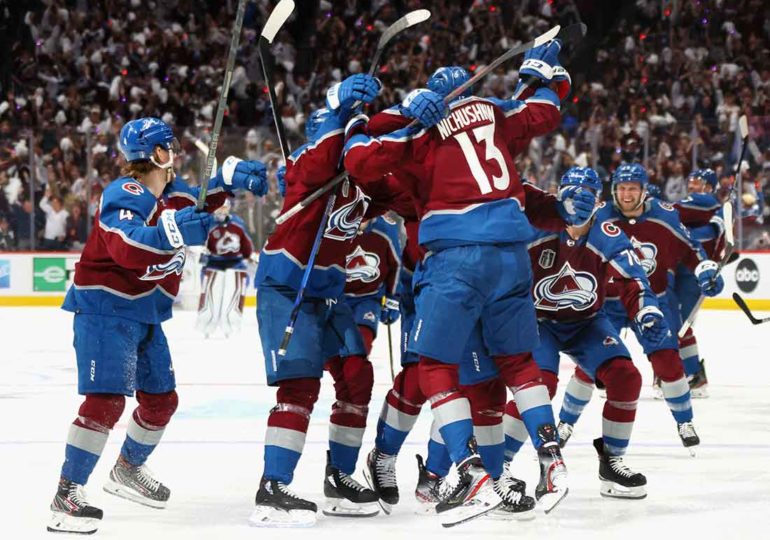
629,196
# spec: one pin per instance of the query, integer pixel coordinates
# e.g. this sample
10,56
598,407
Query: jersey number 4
485,134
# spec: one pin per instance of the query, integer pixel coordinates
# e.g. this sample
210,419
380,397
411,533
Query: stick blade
548,36
277,18
743,126
410,19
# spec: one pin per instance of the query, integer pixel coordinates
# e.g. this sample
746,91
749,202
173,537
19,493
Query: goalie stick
745,308
727,211
235,38
569,34
407,21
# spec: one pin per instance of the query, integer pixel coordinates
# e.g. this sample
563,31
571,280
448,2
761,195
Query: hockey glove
425,106
238,174
280,178
711,283
652,325
359,87
390,312
539,64
562,82
185,227
576,205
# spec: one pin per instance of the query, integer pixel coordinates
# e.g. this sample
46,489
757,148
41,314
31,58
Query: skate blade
65,523
386,507
500,514
276,518
346,508
691,450
119,490
616,491
481,504
425,508
699,393
551,500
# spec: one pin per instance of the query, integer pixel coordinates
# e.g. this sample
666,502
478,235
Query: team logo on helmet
156,272
547,258
228,243
345,220
567,289
649,253
362,265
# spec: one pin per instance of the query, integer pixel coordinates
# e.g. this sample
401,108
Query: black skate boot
430,487
136,483
699,383
617,480
516,503
474,494
689,438
552,487
71,511
279,506
380,474
346,497
564,429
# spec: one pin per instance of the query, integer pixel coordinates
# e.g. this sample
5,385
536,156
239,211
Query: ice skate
71,511
688,435
564,429
380,474
552,487
136,483
279,507
617,480
657,391
517,504
699,383
431,488
472,497
346,497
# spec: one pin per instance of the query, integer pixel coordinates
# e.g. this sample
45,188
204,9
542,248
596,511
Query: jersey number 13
485,134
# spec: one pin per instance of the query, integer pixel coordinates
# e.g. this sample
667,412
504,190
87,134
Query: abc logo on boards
747,275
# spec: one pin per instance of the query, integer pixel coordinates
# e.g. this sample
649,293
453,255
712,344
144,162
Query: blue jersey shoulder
608,239
389,228
705,201
663,211
126,193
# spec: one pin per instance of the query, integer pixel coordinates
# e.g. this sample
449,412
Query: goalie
225,275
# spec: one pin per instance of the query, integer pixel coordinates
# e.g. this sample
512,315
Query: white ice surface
211,455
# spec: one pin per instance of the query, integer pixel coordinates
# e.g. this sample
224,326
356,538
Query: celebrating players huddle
496,279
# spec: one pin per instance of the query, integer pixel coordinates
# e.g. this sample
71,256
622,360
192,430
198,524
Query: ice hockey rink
212,450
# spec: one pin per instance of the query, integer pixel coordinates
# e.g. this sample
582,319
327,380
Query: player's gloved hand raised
390,312
355,88
652,324
425,106
576,205
185,227
280,178
236,173
711,283
540,61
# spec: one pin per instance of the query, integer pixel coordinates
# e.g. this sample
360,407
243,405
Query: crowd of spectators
662,82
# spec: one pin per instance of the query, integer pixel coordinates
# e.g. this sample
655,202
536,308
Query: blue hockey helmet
446,79
707,175
653,190
138,138
314,121
582,176
630,172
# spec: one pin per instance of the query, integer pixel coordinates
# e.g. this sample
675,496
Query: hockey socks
399,411
673,383
623,383
147,424
688,350
579,390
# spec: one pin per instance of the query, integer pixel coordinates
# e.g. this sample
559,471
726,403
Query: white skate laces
349,482
619,467
286,491
687,430
385,466
145,477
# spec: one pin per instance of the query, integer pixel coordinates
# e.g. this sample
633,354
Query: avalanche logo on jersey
649,253
345,220
228,243
156,272
362,265
567,289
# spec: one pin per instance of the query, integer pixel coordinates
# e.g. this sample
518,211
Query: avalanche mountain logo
156,272
567,289
345,220
649,253
362,265
228,243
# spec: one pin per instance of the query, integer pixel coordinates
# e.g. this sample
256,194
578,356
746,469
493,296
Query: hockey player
570,270
225,275
472,222
372,271
663,242
325,328
123,290
701,214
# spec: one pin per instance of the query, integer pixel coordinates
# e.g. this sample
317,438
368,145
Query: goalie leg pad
210,305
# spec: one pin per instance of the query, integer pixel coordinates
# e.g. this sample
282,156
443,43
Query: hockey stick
727,211
390,354
745,308
234,40
408,20
277,18
570,34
